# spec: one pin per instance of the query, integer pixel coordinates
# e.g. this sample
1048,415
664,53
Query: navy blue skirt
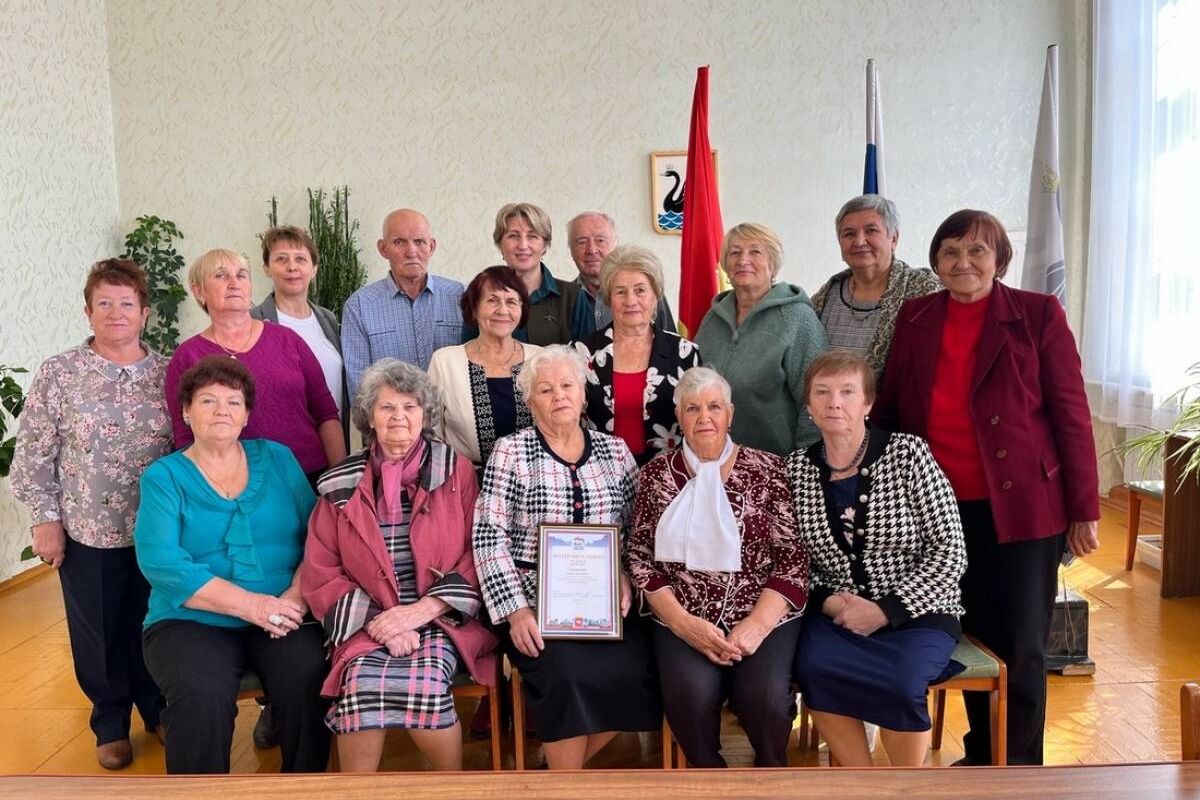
883,678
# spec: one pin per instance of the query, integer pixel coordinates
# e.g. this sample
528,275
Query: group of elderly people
775,535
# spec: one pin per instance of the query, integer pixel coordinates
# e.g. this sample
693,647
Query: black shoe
265,735
964,762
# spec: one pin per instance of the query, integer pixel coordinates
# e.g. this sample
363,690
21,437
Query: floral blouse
670,356
89,429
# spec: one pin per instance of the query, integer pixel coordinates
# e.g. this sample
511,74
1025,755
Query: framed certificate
578,581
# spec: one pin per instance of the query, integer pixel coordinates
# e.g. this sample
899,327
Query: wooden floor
1143,646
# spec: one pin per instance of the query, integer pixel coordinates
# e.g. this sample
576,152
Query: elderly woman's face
704,418
498,311
865,241
748,265
967,267
632,299
837,403
397,420
290,268
227,288
521,246
216,414
556,397
116,314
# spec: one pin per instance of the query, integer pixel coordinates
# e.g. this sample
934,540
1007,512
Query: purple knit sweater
292,399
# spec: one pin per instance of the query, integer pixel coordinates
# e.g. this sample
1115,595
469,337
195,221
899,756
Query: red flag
702,229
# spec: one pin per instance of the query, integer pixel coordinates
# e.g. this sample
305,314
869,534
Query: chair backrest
1189,720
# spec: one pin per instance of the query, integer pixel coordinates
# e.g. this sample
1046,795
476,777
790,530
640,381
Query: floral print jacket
89,429
670,356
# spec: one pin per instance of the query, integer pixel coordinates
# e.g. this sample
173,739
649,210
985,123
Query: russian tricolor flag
873,170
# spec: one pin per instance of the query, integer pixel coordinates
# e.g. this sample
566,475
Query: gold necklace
484,357
234,353
221,487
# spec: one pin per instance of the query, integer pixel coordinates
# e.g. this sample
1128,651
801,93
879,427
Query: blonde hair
635,259
752,231
536,218
203,267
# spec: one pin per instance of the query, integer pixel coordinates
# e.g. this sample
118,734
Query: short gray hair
548,354
612,224
399,376
885,208
698,379
635,259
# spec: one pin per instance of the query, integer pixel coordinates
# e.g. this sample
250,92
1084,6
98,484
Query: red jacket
345,550
1032,421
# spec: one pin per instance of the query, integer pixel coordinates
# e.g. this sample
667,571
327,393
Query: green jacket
764,360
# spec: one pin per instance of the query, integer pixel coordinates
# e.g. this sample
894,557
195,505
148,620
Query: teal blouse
187,534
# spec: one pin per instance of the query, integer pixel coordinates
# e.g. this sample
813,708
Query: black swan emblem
673,202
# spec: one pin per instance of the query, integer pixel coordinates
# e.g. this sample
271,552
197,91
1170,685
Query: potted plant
1148,448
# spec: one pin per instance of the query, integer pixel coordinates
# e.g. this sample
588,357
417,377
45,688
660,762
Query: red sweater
951,430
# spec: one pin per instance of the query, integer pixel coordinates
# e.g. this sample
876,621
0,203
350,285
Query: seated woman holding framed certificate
714,548
581,692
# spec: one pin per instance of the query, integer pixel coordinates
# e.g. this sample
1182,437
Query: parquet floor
1143,646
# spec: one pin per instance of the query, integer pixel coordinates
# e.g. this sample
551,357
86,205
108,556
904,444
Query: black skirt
574,688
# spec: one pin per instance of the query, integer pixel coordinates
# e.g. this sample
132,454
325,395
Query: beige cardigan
448,371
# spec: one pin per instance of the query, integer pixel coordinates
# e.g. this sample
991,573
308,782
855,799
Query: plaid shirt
381,321
524,485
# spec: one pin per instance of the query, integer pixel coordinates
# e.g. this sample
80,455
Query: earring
187,421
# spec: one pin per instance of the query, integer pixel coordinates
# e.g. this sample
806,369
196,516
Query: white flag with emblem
1044,269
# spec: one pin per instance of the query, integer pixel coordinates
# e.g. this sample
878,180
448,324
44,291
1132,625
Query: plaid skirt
379,691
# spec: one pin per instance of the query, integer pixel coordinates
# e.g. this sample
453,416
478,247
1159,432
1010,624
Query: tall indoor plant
339,272
152,245
1148,448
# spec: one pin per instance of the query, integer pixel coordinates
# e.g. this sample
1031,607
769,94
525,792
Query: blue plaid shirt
379,321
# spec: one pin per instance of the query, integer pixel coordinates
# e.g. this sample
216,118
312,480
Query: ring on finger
275,619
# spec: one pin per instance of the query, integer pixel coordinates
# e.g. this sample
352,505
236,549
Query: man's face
407,245
591,240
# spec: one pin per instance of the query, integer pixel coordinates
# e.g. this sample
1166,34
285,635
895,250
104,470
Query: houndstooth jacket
908,552
526,484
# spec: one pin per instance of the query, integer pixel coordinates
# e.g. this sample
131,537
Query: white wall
456,108
58,190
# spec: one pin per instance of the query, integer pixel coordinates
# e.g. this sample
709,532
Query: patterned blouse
526,484
772,554
905,550
670,356
89,429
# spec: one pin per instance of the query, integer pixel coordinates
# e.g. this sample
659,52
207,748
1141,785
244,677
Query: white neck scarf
698,527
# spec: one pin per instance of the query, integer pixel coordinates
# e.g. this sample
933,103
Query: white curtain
1142,319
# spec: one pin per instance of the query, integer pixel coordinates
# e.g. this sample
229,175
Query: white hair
699,379
547,355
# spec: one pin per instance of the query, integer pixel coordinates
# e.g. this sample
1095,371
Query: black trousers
199,668
758,689
1008,594
105,597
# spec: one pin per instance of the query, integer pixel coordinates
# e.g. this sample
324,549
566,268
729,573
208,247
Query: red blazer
1032,421
345,550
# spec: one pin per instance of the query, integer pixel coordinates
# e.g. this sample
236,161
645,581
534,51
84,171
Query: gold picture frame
668,174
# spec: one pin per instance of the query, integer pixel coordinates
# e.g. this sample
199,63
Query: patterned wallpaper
458,107
58,189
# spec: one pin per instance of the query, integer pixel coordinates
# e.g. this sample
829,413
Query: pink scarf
400,474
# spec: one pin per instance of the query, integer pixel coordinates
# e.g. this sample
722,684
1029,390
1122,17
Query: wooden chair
984,671
465,686
1138,491
1189,720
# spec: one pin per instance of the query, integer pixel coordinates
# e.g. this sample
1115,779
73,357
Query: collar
111,371
587,449
876,444
396,290
549,285
437,463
